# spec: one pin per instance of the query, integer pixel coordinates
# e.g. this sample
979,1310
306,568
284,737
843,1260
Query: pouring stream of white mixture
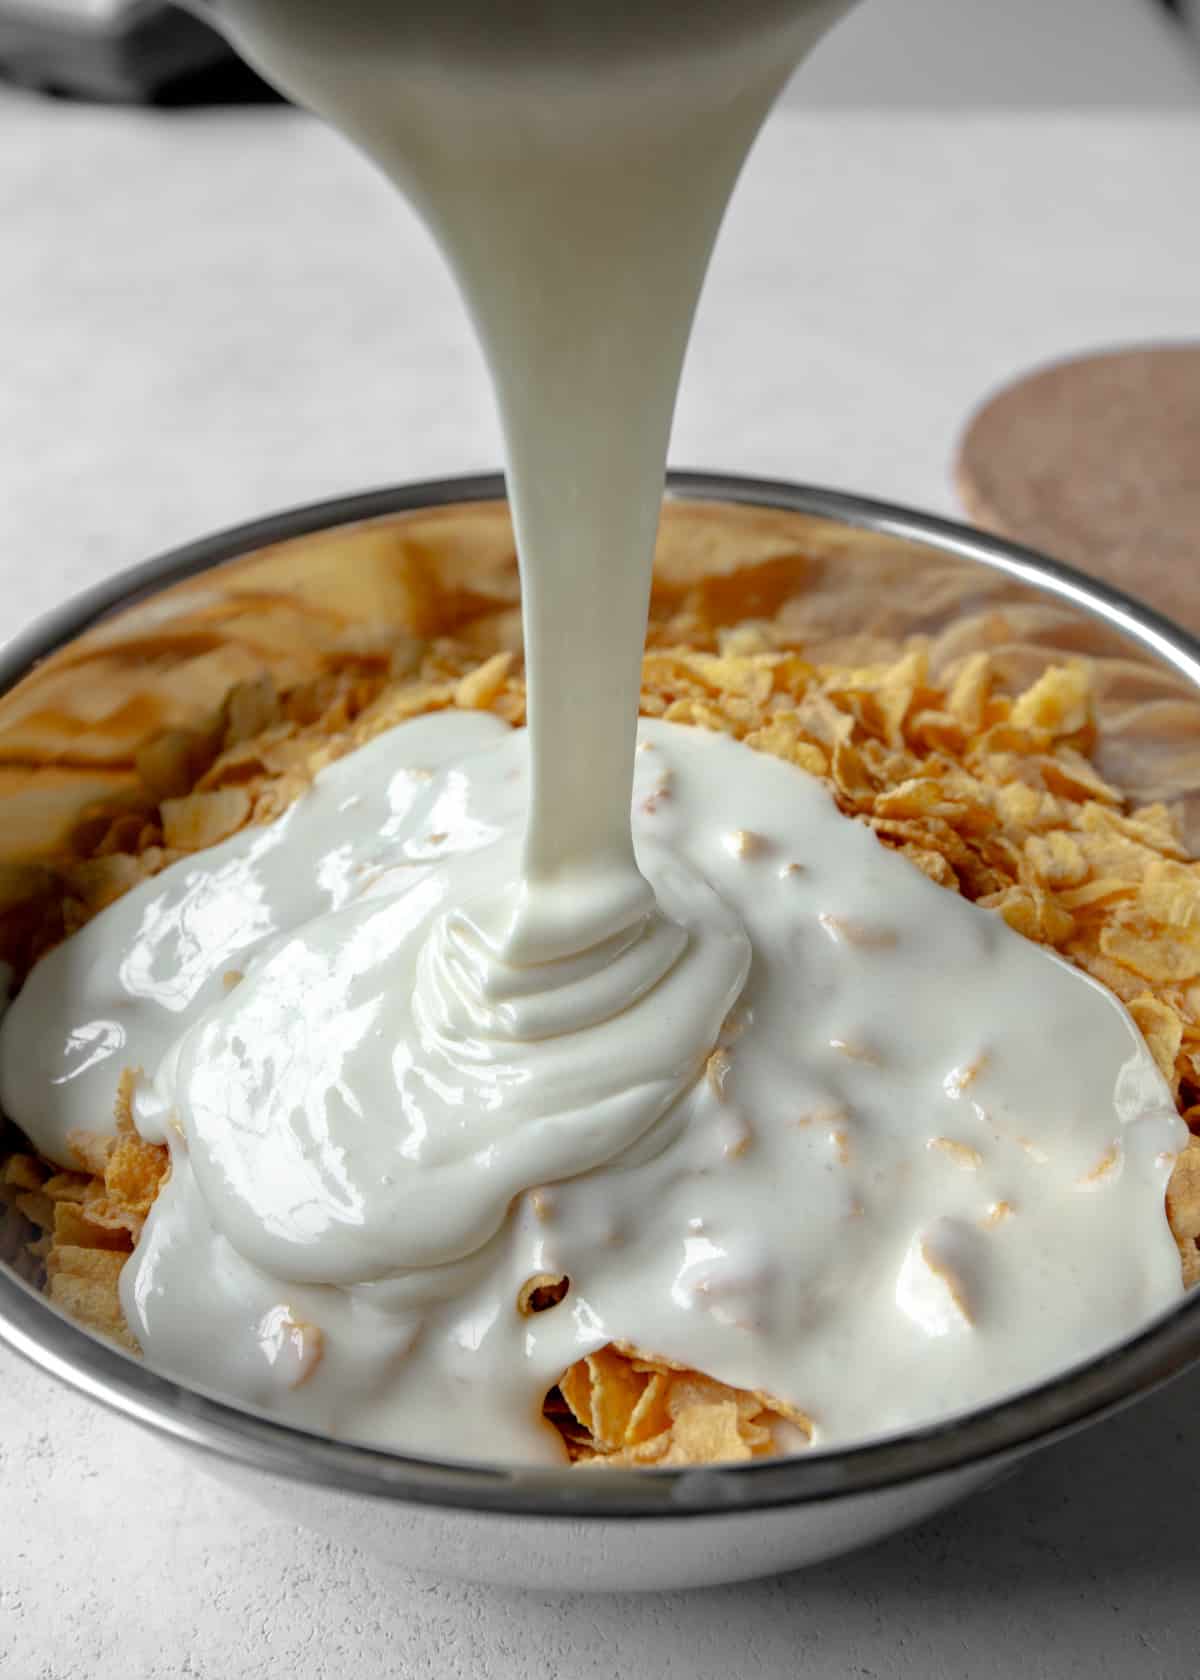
778,1107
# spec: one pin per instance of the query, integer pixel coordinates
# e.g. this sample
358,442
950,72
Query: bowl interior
338,593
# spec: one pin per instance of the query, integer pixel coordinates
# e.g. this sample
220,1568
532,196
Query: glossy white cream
923,1164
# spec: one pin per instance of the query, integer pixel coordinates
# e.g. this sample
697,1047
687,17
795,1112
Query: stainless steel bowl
658,1528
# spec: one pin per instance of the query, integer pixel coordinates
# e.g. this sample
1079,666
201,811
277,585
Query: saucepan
866,574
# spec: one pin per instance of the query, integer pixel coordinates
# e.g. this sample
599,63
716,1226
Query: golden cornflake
23,1172
1162,1028
83,1282
203,819
1105,1168
969,692
783,738
1154,952
962,1154
716,1072
1033,912
846,931
1060,702
250,708
481,687
1057,858
620,1407
1183,1209
745,843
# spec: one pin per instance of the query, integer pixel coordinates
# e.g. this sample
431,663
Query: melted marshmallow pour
915,1161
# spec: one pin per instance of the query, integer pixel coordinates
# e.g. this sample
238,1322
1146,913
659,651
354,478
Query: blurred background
900,52
210,308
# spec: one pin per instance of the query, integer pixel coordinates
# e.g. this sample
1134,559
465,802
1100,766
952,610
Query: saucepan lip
1033,1417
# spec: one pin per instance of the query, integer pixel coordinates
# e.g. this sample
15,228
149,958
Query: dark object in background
1096,461
126,51
151,52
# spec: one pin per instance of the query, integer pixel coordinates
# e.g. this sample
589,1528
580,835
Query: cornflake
630,1408
963,1155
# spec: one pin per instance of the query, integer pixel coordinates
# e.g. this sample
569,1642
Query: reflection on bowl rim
1163,1348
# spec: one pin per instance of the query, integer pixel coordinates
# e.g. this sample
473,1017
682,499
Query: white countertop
206,316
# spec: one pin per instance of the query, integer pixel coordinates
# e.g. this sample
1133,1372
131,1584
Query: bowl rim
987,1436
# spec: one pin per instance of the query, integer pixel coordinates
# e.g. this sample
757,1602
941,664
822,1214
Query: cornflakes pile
990,794
89,1220
620,1407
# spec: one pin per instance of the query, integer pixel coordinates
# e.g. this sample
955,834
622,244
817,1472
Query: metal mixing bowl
661,1528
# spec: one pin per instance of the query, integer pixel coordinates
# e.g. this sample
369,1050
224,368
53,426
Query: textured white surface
121,1561
207,316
